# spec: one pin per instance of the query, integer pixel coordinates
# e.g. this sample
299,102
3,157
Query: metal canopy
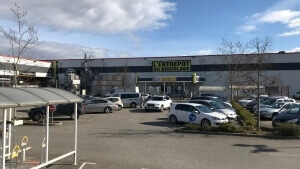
22,97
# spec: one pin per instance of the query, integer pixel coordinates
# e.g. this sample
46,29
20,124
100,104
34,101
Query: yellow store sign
171,66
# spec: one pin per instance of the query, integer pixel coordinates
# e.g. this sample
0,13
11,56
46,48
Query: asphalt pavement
135,139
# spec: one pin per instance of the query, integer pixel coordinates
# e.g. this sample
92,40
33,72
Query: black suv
179,94
37,113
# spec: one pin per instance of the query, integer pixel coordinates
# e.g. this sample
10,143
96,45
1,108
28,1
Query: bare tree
126,81
21,39
231,63
257,63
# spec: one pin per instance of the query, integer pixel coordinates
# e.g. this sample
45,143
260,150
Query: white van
117,90
130,99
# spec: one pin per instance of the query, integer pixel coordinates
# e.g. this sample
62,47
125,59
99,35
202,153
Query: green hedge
244,114
287,130
228,127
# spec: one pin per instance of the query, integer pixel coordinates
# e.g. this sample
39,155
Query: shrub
244,114
287,130
229,128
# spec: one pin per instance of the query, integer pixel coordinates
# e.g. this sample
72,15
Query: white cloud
247,28
295,50
100,16
283,16
53,50
202,52
287,17
291,33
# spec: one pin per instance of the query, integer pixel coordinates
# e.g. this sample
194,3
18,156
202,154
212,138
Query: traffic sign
192,117
52,108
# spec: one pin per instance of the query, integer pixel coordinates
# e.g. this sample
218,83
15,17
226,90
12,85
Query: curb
34,123
180,130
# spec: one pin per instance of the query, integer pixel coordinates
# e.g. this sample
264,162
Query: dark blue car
291,115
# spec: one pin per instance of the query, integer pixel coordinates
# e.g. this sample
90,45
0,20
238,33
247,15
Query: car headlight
292,121
216,118
157,105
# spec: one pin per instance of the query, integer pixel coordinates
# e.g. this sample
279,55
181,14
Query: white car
196,114
158,103
116,100
245,101
215,106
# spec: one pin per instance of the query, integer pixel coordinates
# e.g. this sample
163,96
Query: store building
31,73
159,75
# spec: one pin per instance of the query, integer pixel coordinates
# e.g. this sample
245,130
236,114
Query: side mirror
212,109
197,112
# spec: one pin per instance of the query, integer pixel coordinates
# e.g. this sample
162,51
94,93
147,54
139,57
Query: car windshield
295,109
204,109
276,105
217,105
249,98
217,100
157,98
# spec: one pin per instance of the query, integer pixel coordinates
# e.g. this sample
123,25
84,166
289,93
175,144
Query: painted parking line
83,164
289,155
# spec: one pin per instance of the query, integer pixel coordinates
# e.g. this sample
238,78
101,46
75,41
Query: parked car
291,115
246,100
253,102
129,99
37,113
196,114
86,97
180,95
158,103
268,102
116,100
217,107
274,109
214,98
297,95
100,105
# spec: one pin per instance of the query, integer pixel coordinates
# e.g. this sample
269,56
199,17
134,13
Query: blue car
291,115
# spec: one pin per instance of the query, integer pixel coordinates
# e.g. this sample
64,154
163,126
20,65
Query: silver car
100,105
274,109
116,100
217,107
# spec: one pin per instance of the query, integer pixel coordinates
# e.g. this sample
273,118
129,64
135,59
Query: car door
101,104
180,112
167,101
192,114
285,107
91,106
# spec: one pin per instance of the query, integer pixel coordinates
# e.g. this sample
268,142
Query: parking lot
133,138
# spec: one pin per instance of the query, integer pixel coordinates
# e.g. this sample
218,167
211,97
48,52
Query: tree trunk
258,102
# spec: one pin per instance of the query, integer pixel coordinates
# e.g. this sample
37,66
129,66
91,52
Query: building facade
161,75
30,72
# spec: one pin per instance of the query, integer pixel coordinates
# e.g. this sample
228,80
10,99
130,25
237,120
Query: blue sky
145,28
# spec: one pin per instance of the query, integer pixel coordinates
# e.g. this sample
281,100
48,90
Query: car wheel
205,122
119,107
181,97
162,108
133,105
107,110
37,116
274,114
173,119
